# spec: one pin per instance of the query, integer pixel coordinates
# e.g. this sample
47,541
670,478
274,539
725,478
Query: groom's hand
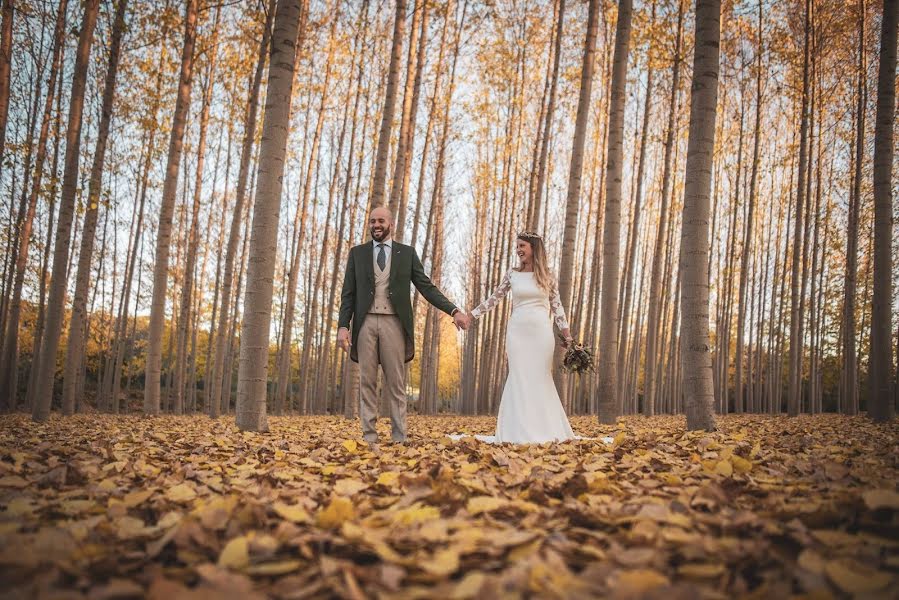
343,339
461,320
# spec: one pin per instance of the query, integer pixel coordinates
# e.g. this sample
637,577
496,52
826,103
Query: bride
530,410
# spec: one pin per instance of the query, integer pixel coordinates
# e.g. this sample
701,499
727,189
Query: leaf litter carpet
104,506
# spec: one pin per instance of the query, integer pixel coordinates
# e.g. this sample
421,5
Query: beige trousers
382,341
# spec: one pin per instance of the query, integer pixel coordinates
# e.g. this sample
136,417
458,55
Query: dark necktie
382,257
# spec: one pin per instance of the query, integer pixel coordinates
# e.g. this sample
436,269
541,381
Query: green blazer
359,291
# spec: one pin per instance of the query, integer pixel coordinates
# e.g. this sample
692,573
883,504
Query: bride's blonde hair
538,256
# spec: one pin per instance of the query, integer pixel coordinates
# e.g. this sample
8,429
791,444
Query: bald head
380,223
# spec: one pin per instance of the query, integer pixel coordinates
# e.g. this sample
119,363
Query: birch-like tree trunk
166,210
9,359
695,346
390,93
77,324
255,326
607,390
56,302
880,359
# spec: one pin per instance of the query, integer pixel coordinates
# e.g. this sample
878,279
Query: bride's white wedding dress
530,410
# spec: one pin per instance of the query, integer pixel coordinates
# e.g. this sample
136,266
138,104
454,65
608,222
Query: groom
376,297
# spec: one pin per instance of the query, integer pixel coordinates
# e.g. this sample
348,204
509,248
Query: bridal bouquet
578,358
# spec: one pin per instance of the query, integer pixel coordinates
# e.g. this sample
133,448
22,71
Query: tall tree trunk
399,183
10,346
795,388
607,390
533,211
390,93
164,233
626,289
187,286
880,360
222,341
750,218
76,340
56,302
650,382
256,322
695,345
5,70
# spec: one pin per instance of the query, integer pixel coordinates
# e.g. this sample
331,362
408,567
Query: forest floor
169,507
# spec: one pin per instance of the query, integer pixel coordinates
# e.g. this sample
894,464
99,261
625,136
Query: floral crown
530,234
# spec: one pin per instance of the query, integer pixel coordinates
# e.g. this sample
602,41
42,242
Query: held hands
343,339
462,320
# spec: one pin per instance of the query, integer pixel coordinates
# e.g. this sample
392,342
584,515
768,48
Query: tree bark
53,328
880,360
607,390
77,324
164,232
5,70
795,387
19,256
390,93
695,346
255,326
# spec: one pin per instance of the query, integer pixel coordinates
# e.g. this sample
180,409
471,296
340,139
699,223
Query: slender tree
53,329
19,257
695,346
255,326
880,359
77,324
166,210
390,93
8,12
607,390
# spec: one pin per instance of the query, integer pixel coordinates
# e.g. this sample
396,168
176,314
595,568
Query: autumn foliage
129,506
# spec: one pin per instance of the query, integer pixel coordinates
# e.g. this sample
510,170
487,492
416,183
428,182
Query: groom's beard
380,236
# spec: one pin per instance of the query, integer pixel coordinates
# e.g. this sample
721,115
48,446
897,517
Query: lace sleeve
558,311
490,303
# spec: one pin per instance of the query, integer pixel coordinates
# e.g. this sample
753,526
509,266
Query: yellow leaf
415,514
129,527
351,446
339,510
235,554
107,485
724,467
351,531
13,481
469,587
637,582
183,492
619,439
741,465
701,570
877,499
274,568
293,512
480,504
349,487
443,563
74,507
854,578
133,499
811,561
388,478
